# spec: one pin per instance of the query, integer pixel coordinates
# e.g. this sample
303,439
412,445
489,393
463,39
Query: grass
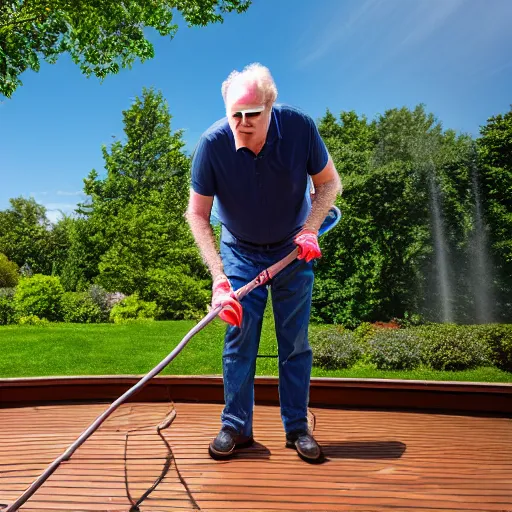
134,349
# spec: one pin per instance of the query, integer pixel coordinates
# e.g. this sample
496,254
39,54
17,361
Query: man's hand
223,295
307,242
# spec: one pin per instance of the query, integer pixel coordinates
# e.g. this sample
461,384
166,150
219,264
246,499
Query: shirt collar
274,130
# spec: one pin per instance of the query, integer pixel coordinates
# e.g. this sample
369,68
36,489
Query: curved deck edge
450,397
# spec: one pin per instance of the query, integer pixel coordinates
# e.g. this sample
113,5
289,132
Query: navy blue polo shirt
264,198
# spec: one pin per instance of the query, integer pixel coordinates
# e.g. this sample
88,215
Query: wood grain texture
376,461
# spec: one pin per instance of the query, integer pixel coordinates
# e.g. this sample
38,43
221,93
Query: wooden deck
377,461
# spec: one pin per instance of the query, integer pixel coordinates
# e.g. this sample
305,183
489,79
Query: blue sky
363,55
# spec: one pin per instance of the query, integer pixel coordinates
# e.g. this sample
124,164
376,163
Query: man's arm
327,185
198,217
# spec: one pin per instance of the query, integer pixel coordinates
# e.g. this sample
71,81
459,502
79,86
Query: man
256,163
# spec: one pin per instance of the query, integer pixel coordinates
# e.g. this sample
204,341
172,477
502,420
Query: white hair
254,74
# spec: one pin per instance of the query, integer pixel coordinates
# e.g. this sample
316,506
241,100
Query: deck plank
376,461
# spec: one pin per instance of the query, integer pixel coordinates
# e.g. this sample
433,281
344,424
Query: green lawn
108,349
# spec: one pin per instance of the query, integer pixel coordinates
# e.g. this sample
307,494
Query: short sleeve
203,179
318,154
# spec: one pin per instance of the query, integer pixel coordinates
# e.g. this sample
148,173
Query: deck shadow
257,451
364,449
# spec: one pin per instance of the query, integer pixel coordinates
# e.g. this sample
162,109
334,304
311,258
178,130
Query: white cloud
65,193
55,211
456,38
429,17
61,206
380,30
336,31
53,216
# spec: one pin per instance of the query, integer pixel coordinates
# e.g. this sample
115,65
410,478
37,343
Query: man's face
248,116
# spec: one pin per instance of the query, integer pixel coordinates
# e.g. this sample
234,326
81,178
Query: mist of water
444,284
480,262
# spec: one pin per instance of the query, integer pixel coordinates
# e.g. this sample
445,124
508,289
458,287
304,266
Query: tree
59,242
150,158
87,243
495,159
102,36
377,263
351,141
25,234
8,272
132,236
152,253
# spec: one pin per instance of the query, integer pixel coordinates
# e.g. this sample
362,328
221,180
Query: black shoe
306,446
227,442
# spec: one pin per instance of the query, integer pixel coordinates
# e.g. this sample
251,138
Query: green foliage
59,241
103,300
453,347
40,296
410,320
364,332
33,320
495,163
499,339
27,237
375,253
133,237
179,296
86,244
150,158
101,37
133,308
25,234
7,306
8,272
394,349
79,307
351,141
335,348
380,262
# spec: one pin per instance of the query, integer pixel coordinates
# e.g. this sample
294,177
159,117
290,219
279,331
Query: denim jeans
291,300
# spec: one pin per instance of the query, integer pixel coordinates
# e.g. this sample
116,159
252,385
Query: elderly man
256,162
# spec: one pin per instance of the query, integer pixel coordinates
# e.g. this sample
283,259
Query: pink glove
223,295
307,241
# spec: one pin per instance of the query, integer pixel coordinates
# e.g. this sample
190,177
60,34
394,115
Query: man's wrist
309,229
219,277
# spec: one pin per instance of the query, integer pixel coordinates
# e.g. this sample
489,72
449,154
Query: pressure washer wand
267,274
262,278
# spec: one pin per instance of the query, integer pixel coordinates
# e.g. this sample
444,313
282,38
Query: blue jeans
291,299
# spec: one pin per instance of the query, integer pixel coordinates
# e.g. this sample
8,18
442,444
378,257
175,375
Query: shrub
453,347
178,295
78,307
8,272
499,339
410,320
114,298
100,297
104,300
33,320
364,332
133,308
335,348
41,296
394,349
7,307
